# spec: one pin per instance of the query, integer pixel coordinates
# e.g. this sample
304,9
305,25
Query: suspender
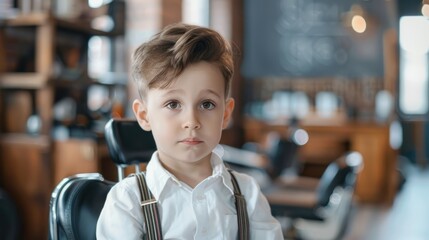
240,205
151,214
150,210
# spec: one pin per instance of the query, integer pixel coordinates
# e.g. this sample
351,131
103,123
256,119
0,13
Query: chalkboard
310,38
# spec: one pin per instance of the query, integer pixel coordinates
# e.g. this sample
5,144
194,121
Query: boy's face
187,118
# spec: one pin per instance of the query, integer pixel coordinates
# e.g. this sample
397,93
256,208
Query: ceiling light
358,23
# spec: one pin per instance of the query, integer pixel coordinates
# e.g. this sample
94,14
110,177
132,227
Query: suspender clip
147,202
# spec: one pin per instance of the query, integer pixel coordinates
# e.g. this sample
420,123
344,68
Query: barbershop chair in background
77,201
317,208
277,156
9,220
280,149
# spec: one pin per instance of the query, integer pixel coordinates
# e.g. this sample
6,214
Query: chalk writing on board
307,38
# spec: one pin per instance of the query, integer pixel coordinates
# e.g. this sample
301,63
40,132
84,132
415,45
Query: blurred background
353,75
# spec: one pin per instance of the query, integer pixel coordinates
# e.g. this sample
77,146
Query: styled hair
156,63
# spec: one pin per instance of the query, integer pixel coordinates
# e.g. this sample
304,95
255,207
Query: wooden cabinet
43,61
25,173
376,182
74,156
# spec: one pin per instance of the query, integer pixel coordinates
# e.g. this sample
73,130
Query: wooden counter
377,181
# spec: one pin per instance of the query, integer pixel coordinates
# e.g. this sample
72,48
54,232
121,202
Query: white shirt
205,212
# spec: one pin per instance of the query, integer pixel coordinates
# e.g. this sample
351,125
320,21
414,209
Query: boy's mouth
191,141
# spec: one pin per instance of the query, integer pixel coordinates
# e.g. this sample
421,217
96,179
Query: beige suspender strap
240,204
150,209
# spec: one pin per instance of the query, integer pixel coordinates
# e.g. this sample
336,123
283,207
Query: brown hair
157,62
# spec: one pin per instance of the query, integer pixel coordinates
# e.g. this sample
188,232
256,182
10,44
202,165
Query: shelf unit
32,164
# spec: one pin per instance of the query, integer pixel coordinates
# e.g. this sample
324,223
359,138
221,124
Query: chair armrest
244,158
291,198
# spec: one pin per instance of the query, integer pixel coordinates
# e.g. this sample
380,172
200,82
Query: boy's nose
192,121
191,125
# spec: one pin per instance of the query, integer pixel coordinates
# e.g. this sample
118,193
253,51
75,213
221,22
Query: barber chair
75,206
76,202
317,208
265,164
128,144
9,220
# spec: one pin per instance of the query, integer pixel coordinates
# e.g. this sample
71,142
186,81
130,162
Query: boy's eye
173,105
207,105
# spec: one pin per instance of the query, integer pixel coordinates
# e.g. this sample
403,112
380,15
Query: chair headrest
283,155
338,173
128,143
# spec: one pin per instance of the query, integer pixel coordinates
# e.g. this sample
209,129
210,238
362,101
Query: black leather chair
128,144
75,206
324,213
77,201
278,156
296,199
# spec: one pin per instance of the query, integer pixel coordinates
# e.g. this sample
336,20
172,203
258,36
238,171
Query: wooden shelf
38,80
26,139
57,46
79,26
23,80
38,19
32,19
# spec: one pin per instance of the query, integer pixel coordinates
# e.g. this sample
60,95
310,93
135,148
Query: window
196,12
414,65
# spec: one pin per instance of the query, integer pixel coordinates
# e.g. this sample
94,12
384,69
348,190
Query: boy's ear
140,111
227,114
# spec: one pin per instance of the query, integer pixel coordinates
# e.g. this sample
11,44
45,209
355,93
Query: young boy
183,76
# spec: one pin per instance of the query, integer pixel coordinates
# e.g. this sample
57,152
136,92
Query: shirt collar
219,168
157,176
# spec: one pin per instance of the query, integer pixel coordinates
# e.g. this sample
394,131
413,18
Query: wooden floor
407,219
